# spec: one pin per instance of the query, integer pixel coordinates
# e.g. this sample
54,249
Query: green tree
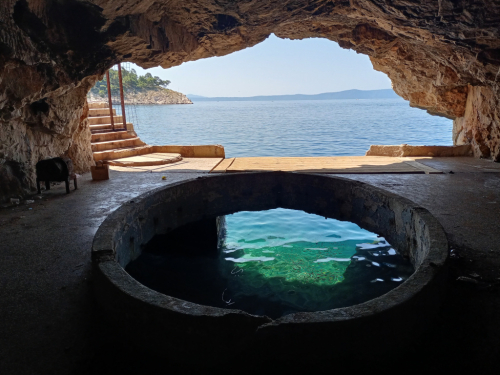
132,83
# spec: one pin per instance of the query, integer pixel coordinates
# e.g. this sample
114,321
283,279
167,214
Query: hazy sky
274,67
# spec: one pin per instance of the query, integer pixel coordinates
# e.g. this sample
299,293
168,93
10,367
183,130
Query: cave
441,56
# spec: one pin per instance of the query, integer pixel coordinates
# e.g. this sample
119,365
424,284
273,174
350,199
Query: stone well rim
104,261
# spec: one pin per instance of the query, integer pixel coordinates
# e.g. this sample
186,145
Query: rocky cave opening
440,56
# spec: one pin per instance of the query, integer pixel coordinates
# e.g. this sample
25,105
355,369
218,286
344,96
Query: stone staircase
121,146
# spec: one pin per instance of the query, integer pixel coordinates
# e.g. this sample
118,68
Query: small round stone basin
162,324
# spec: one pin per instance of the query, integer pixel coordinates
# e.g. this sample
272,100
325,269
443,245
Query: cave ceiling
431,50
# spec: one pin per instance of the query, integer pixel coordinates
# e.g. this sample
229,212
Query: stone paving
50,323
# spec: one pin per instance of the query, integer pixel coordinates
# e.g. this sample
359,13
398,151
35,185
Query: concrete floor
50,323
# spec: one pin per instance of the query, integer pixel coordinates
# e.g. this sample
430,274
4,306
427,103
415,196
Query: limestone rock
158,97
480,124
162,96
53,126
79,151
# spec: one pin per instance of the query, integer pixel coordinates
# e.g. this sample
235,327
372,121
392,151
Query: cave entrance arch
442,57
312,126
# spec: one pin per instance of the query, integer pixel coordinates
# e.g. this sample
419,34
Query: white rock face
54,126
158,97
162,96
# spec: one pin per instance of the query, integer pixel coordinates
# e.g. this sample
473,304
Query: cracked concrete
50,323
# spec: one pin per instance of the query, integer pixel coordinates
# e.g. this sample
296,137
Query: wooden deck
334,164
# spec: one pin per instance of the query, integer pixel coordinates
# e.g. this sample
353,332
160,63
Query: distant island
137,89
347,94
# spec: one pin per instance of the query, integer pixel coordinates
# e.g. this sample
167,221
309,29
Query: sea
342,127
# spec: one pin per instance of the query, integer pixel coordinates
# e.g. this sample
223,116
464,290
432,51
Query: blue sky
276,67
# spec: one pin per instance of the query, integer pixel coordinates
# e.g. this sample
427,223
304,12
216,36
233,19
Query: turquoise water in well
289,245
277,262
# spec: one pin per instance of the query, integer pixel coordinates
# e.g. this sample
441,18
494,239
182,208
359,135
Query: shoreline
159,97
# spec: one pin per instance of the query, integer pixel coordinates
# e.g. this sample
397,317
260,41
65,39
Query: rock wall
480,124
442,56
53,126
80,150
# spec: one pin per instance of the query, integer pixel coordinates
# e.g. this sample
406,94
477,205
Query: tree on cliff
132,83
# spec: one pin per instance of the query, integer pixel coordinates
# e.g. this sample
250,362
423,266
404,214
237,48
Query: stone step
119,143
93,112
123,152
157,158
98,105
107,127
111,136
105,120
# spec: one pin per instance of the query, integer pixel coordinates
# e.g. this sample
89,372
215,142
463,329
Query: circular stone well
165,325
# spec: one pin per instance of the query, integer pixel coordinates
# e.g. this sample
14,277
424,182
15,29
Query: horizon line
321,93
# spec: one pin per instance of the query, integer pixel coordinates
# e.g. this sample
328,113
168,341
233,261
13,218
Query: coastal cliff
161,96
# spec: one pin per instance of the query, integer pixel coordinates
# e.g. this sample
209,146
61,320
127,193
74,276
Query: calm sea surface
292,128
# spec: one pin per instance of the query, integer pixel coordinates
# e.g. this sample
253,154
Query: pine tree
132,83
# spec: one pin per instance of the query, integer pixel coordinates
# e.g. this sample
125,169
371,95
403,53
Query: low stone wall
196,151
159,323
408,150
